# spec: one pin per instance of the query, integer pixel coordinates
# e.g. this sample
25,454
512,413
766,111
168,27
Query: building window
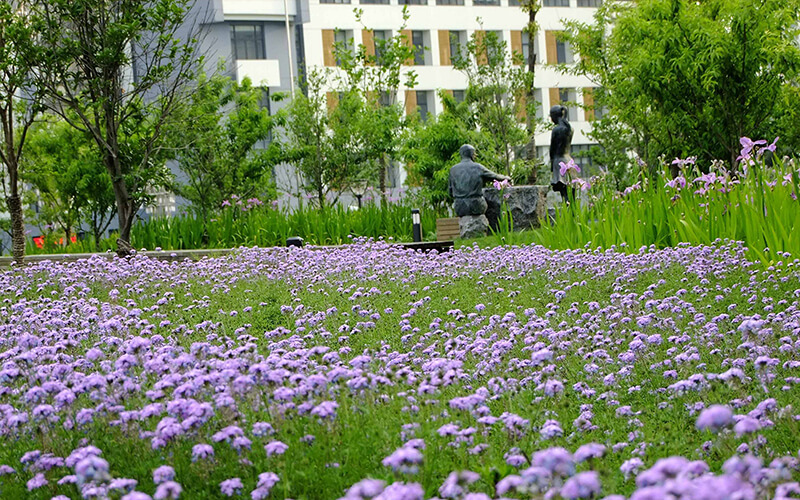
422,104
343,40
498,38
449,2
526,48
580,153
412,2
334,1
457,42
513,3
380,39
568,98
374,2
418,41
556,3
589,3
563,52
459,95
248,41
485,2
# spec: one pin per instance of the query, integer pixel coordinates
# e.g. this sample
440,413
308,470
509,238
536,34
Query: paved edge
180,255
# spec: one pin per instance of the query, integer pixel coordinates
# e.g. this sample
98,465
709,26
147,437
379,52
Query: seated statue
466,183
560,144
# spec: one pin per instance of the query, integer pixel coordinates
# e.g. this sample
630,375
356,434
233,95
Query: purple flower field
369,371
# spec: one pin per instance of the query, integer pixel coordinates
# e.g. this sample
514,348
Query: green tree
322,141
497,90
375,71
532,8
16,114
73,186
120,68
216,138
689,78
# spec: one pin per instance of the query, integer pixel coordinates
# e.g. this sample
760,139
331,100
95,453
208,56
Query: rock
528,205
473,226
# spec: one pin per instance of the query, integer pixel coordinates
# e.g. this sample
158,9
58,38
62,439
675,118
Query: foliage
760,209
513,368
685,77
72,185
374,74
16,114
322,141
120,68
496,92
216,138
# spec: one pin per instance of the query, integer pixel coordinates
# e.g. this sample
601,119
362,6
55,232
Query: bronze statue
560,144
466,183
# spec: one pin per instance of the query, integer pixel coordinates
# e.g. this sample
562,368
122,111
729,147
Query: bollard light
294,241
416,224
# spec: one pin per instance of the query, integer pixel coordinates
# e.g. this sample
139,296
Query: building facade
272,41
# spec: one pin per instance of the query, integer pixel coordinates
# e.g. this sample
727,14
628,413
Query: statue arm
488,175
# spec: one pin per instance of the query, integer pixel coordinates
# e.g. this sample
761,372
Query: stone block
473,226
528,205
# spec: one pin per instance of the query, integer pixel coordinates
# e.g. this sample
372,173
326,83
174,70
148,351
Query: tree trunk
125,215
382,179
530,148
97,233
17,226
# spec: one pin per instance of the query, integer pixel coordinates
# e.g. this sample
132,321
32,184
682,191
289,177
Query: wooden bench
447,229
438,246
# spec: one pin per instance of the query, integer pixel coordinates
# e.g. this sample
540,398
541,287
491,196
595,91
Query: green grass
367,427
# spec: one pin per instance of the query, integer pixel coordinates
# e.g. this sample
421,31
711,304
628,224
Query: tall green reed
758,207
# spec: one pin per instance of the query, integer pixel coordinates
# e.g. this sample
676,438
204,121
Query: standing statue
560,144
466,183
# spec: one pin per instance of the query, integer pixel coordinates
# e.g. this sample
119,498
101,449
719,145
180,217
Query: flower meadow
372,372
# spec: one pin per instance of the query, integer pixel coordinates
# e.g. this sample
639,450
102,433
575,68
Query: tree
216,136
120,68
689,78
496,92
322,141
376,72
531,7
73,186
19,105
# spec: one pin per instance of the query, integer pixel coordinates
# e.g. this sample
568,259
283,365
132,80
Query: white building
252,36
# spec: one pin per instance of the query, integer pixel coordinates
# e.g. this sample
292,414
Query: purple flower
714,418
570,166
231,487
168,490
581,485
453,486
589,451
366,488
202,451
276,448
92,469
746,425
402,491
36,482
404,459
163,474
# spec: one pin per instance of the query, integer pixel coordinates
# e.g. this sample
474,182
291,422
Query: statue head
467,152
558,112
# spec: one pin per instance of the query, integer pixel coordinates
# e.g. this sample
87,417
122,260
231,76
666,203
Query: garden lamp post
359,188
416,224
